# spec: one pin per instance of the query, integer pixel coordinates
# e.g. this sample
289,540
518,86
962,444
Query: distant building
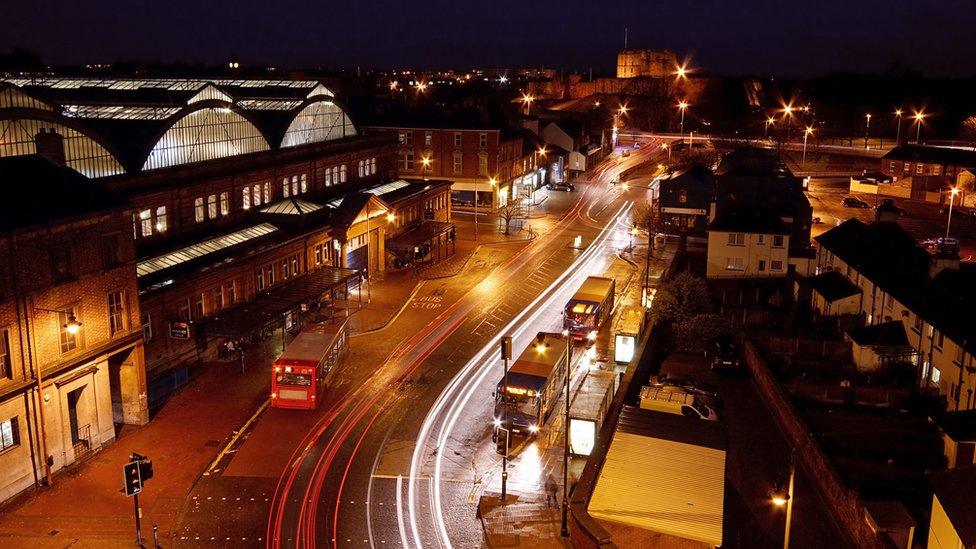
747,241
925,173
685,199
69,311
653,63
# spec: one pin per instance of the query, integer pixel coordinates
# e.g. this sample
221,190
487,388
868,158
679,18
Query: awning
270,305
403,245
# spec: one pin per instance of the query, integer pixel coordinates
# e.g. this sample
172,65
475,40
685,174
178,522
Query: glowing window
206,134
319,121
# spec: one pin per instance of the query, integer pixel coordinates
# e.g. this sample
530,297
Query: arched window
206,134
319,121
81,153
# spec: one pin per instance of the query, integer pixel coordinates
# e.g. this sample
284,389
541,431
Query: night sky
762,37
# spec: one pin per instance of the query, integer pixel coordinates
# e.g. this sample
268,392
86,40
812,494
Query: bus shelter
432,241
284,305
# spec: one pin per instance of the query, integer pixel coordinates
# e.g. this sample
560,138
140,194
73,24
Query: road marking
236,436
399,505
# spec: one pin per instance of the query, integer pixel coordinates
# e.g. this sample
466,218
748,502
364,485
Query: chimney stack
50,145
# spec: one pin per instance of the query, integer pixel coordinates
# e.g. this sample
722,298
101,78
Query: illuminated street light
784,498
527,103
390,218
919,116
394,85
769,122
806,134
681,71
503,79
683,106
72,326
952,196
898,113
867,129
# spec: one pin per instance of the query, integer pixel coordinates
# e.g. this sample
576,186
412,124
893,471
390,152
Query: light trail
468,380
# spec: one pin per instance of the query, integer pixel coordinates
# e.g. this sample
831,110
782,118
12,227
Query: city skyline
870,37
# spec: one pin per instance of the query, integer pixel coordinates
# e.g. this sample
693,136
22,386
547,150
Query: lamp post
682,106
898,131
527,103
867,129
806,134
781,498
72,326
952,195
769,122
788,114
425,161
918,122
491,185
667,148
564,531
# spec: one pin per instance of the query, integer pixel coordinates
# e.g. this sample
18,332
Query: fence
837,350
844,504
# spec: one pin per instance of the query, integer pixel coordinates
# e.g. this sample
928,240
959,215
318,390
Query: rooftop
833,286
748,218
948,156
954,489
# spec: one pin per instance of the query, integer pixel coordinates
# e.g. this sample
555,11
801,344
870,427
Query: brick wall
845,505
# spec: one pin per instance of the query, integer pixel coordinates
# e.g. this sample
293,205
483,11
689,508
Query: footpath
84,507
529,516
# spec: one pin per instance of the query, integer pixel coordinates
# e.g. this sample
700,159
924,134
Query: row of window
201,305
935,169
406,161
367,167
406,138
154,221
739,264
267,276
739,239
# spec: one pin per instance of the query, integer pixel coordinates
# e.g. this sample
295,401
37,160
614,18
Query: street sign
133,479
179,330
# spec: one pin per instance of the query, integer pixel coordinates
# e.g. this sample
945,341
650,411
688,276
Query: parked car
942,244
676,401
853,202
563,186
685,382
890,205
958,211
725,357
625,153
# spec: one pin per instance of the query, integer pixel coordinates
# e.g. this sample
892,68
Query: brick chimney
50,145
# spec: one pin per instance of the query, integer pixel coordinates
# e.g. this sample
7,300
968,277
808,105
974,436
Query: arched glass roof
11,98
318,121
205,134
81,152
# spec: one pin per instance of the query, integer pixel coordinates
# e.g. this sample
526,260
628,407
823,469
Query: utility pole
569,361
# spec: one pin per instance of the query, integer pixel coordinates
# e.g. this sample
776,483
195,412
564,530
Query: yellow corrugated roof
535,363
662,486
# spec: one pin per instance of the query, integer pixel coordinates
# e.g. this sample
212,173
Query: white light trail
468,380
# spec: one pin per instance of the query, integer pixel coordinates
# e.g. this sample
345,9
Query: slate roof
748,218
960,426
886,334
37,191
697,181
833,286
955,489
933,155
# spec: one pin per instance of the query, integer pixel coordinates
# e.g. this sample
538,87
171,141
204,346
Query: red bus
298,375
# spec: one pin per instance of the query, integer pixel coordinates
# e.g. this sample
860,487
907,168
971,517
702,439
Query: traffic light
133,482
145,469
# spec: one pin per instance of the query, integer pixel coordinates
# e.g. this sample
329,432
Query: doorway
77,420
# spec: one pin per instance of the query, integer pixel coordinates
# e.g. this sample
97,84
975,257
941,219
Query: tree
684,304
509,212
968,129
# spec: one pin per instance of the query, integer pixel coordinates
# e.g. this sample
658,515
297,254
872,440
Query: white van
672,400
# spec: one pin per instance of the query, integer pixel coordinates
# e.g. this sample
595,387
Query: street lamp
769,122
788,114
491,184
569,361
784,498
425,161
898,131
527,103
681,71
806,134
867,129
683,106
918,122
952,195
667,148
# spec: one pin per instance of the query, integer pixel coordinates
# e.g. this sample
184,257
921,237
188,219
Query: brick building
252,204
69,321
925,173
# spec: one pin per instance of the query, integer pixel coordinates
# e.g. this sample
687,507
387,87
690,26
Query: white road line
399,506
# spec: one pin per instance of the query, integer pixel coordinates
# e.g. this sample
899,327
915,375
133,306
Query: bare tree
509,212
